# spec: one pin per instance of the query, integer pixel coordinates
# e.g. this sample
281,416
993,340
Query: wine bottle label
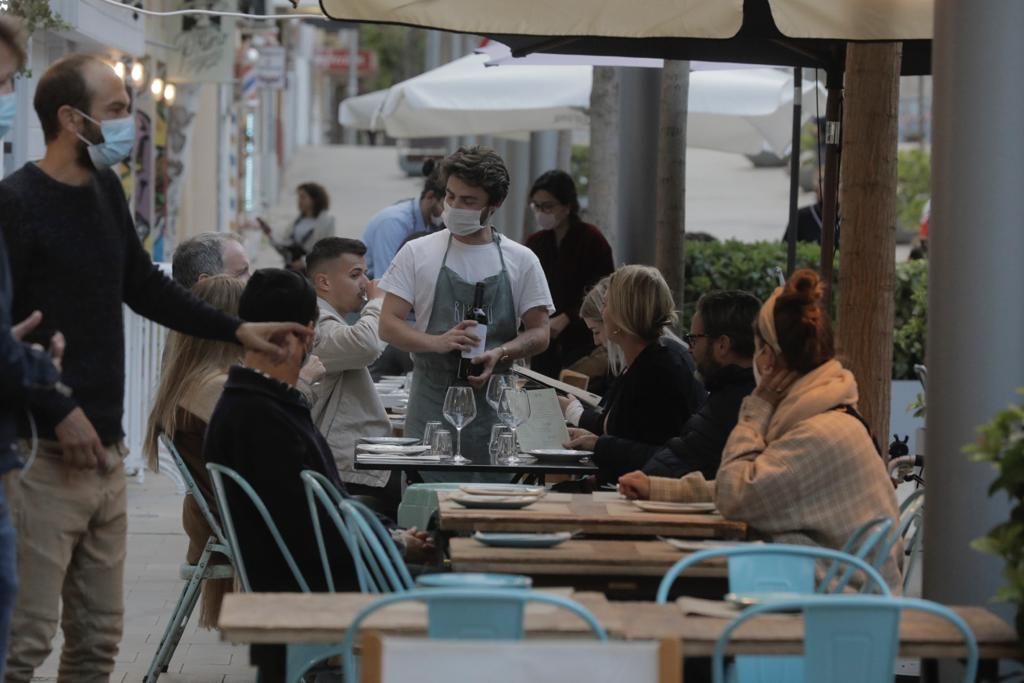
480,331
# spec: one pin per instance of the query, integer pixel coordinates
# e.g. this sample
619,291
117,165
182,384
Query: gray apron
433,373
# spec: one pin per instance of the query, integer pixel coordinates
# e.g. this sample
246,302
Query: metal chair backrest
376,548
217,474
320,488
848,638
909,529
459,630
772,568
193,490
864,543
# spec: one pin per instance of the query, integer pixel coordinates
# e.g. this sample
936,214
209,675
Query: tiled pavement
156,548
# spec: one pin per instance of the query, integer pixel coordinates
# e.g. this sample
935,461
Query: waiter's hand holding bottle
459,338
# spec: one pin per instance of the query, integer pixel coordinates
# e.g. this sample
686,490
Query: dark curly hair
478,167
316,192
802,325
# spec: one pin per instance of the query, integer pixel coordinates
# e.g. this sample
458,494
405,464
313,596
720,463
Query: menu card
546,426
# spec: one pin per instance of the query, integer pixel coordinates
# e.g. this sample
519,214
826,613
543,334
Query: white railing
143,352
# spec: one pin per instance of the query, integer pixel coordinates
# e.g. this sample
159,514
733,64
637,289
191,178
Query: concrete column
352,84
975,316
518,162
603,174
671,186
563,156
639,98
433,50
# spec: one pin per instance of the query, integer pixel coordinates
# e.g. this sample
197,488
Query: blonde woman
191,382
657,391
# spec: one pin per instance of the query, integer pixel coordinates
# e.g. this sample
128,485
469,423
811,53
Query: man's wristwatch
504,354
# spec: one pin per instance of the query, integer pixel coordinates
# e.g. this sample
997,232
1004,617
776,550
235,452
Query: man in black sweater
75,257
721,340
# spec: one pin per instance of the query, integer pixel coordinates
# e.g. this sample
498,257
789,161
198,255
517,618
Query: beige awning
830,19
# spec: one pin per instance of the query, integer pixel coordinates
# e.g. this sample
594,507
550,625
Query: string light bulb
157,87
119,69
170,92
137,73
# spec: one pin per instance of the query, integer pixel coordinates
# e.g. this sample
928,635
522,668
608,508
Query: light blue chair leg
179,617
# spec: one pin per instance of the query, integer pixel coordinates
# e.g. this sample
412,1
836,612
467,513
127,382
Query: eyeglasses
691,339
544,207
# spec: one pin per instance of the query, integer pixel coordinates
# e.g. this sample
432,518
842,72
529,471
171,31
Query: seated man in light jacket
345,404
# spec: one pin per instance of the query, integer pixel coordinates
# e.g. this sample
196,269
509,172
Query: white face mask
545,221
462,222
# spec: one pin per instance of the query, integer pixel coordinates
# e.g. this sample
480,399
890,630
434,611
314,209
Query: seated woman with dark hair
800,465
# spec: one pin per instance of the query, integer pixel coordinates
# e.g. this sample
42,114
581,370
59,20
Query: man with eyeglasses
721,340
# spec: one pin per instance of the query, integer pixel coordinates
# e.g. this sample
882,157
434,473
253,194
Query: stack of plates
508,540
502,490
492,502
676,508
392,448
561,455
389,440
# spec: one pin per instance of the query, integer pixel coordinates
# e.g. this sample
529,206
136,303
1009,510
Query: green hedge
750,267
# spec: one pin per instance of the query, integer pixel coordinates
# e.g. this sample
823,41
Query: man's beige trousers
72,532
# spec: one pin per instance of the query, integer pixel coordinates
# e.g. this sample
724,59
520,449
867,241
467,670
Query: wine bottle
478,315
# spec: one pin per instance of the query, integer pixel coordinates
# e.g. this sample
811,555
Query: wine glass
514,410
460,410
495,385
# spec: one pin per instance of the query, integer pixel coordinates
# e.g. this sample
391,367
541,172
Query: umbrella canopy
809,33
745,111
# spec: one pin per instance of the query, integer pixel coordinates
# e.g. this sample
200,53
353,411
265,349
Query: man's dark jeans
8,574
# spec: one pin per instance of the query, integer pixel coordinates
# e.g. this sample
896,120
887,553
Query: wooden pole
830,182
671,196
867,270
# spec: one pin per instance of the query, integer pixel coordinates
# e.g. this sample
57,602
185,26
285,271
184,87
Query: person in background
390,227
431,275
657,391
208,254
603,365
312,225
75,255
347,406
574,255
800,466
191,382
721,340
23,370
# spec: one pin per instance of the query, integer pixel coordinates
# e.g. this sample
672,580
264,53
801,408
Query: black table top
537,467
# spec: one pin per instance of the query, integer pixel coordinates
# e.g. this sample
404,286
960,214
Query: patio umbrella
360,112
744,111
799,33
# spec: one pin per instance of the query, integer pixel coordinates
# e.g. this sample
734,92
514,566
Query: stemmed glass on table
514,410
460,410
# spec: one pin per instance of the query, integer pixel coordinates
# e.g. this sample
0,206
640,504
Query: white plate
503,540
392,440
684,508
567,452
391,449
493,502
696,546
502,490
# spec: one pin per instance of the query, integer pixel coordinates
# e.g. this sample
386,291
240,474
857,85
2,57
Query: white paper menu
546,426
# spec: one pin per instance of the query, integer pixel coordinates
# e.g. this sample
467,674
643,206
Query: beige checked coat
801,473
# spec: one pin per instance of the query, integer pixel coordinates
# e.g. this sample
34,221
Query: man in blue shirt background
388,230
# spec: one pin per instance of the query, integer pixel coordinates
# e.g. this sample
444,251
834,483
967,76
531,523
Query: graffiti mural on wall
143,163
158,235
204,46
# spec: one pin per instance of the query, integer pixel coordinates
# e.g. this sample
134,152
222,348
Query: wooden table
282,618
622,569
921,635
600,514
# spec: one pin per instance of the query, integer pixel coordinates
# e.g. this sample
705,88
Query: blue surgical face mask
118,140
8,106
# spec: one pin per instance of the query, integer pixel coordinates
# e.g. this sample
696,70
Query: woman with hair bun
800,466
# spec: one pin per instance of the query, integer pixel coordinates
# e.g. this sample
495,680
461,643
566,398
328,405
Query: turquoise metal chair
910,530
779,568
192,574
847,638
320,489
376,548
419,504
772,568
870,542
449,624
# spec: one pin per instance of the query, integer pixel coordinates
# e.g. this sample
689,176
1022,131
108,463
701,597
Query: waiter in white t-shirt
435,277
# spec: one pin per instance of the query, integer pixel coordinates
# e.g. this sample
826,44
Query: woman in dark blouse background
574,255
